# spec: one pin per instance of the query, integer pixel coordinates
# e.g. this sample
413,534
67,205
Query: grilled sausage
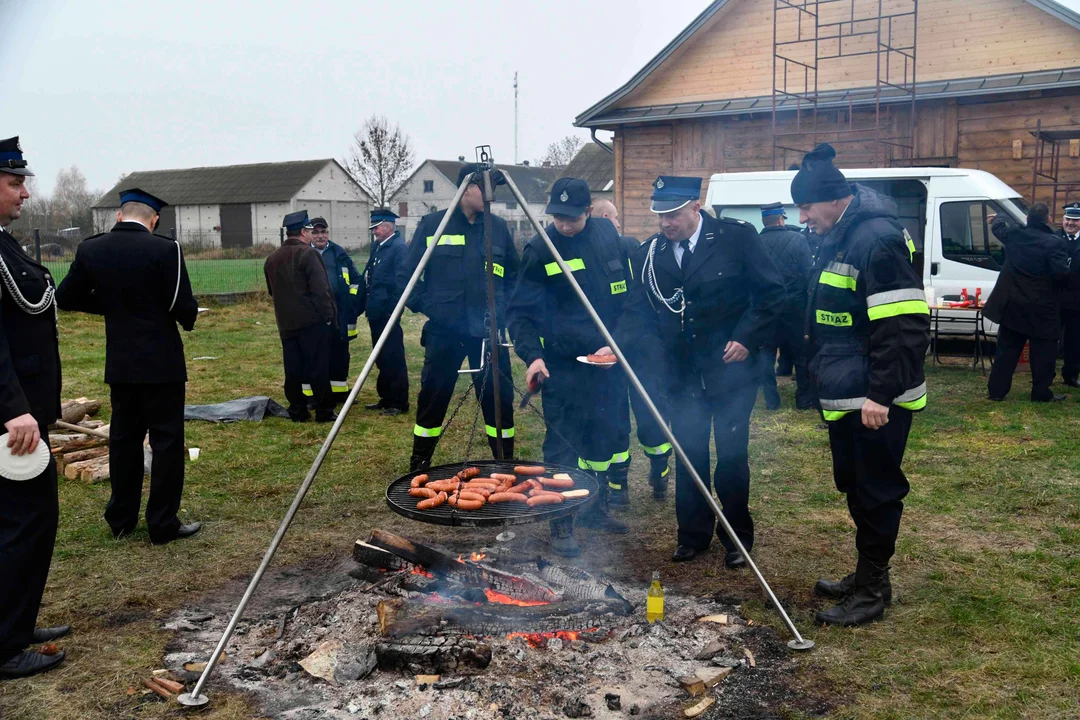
530,470
606,359
545,499
483,492
470,472
534,492
556,483
422,492
419,481
503,477
507,497
444,485
463,504
466,495
431,502
520,489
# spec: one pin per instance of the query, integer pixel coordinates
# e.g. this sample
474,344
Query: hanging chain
476,415
539,413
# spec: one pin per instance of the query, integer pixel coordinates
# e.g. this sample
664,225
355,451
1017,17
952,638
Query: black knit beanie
818,180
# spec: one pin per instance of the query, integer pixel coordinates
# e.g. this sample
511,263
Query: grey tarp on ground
249,408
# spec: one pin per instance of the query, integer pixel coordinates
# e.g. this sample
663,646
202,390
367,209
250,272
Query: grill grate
399,500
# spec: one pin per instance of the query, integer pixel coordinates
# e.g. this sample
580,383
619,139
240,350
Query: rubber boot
658,475
866,604
840,589
618,487
562,537
507,448
598,515
419,462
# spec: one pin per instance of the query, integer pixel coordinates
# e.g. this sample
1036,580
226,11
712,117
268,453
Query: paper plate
22,467
585,359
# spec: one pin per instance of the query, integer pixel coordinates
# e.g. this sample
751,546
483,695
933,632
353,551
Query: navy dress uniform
29,386
868,326
139,282
306,318
548,323
345,285
453,295
1069,297
700,298
382,294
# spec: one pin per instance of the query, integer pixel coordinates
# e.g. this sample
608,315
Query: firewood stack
81,456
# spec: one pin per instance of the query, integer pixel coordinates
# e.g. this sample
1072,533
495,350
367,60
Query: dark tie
685,245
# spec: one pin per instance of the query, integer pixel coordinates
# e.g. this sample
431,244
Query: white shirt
693,242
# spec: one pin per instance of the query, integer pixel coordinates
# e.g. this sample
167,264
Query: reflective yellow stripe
447,240
834,415
499,270
306,389
338,386
658,450
910,246
507,432
354,289
345,274
906,307
352,330
575,264
620,457
426,432
843,282
541,342
594,465
914,404
618,287
834,319
630,265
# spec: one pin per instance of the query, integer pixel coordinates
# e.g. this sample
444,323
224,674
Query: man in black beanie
868,326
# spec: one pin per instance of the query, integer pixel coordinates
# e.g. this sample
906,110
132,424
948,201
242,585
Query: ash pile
422,632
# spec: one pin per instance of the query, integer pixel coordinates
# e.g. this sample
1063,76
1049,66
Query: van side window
966,236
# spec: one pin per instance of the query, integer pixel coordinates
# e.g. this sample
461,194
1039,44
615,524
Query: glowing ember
537,640
474,557
421,571
497,597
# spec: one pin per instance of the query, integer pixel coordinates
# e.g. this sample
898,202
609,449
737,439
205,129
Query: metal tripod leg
798,643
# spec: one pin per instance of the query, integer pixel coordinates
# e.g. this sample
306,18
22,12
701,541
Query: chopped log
102,432
85,444
692,684
72,411
574,583
96,470
367,554
433,654
170,685
92,424
58,440
402,617
158,689
80,455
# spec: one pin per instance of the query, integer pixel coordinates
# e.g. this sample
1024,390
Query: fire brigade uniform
868,327
1069,300
453,294
380,280
345,286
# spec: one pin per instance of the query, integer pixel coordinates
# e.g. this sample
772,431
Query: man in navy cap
29,403
452,292
1069,297
790,252
306,319
139,282
550,329
706,291
388,252
869,328
345,284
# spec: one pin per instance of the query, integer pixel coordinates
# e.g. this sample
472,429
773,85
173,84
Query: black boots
598,516
862,596
658,475
617,483
419,462
562,537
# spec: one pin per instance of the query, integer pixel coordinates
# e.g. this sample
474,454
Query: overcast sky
115,86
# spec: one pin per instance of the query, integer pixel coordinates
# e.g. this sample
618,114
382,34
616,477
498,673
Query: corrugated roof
594,165
532,181
260,182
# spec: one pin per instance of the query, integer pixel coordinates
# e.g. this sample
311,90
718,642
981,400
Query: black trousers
580,402
652,439
789,341
393,382
29,515
1010,344
1070,341
339,368
866,467
156,408
443,354
693,418
306,356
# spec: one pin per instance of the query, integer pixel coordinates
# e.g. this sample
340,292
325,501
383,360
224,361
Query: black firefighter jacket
29,351
380,273
867,320
1025,297
1069,290
732,291
452,292
139,282
296,279
345,284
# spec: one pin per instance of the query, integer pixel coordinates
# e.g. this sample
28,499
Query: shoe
683,553
44,635
29,663
733,560
1075,383
772,399
120,534
375,406
391,411
325,416
419,462
995,399
185,531
562,538
299,417
1059,398
598,516
865,604
840,589
658,476
618,486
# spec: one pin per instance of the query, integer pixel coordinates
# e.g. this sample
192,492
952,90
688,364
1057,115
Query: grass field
986,624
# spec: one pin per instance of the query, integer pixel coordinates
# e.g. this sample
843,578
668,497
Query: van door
965,255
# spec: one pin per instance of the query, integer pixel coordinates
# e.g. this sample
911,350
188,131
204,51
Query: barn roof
594,165
532,181
257,183
602,115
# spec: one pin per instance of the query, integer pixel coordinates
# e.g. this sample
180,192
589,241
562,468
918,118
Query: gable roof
592,116
532,181
594,165
256,183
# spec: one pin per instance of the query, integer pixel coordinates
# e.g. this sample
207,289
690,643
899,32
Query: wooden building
986,71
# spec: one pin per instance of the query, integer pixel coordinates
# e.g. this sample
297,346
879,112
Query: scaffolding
1046,167
812,36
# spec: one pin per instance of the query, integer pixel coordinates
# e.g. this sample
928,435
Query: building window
403,209
429,186
511,205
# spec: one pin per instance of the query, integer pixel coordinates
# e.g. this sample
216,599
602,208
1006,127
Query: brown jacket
296,279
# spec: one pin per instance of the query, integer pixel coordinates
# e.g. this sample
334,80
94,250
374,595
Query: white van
944,210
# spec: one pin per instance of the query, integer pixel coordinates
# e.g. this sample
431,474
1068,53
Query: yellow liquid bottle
654,602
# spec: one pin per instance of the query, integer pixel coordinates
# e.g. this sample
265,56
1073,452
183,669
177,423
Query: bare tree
71,199
560,153
380,158
37,209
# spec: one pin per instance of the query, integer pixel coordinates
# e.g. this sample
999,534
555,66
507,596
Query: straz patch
618,287
834,319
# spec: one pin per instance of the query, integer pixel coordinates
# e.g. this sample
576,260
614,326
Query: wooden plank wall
976,133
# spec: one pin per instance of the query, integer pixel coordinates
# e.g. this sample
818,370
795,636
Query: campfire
486,633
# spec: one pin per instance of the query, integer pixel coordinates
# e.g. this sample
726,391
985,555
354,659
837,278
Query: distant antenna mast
515,120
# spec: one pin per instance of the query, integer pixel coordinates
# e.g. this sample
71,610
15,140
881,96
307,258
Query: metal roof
600,115
594,165
257,183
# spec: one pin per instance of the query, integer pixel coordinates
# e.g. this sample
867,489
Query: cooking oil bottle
654,603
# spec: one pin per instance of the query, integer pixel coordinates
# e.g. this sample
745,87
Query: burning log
401,617
367,554
436,654
577,584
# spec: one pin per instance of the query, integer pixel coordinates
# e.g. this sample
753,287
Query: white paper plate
585,359
22,467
